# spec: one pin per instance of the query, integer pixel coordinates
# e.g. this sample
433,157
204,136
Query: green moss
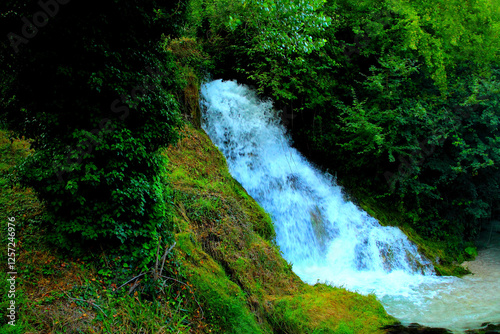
15,201
446,264
323,309
225,243
223,301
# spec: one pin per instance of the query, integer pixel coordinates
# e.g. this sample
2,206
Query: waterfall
326,237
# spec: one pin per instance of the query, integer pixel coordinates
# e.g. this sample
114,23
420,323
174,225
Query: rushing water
326,237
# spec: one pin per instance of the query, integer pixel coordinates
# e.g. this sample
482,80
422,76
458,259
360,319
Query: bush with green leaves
413,120
96,92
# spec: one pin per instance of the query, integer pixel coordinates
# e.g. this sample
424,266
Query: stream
329,239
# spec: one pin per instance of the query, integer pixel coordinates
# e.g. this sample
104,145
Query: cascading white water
326,237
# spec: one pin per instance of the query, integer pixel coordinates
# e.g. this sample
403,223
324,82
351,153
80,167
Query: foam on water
325,236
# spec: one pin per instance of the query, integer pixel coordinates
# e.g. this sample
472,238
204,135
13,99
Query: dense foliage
95,90
399,98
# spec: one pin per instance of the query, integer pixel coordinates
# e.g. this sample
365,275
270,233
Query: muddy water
460,304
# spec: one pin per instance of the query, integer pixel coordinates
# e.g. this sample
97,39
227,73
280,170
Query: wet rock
486,328
415,329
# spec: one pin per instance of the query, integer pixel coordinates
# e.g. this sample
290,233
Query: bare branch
130,280
164,257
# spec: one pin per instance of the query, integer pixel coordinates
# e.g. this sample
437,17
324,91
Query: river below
459,304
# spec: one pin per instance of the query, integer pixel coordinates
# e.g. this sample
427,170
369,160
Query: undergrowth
222,274
55,293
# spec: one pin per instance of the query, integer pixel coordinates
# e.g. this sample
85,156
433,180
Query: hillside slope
225,242
229,276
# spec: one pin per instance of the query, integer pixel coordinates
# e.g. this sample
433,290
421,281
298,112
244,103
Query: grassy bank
225,274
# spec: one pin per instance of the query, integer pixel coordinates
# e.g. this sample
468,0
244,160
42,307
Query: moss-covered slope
230,275
224,241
